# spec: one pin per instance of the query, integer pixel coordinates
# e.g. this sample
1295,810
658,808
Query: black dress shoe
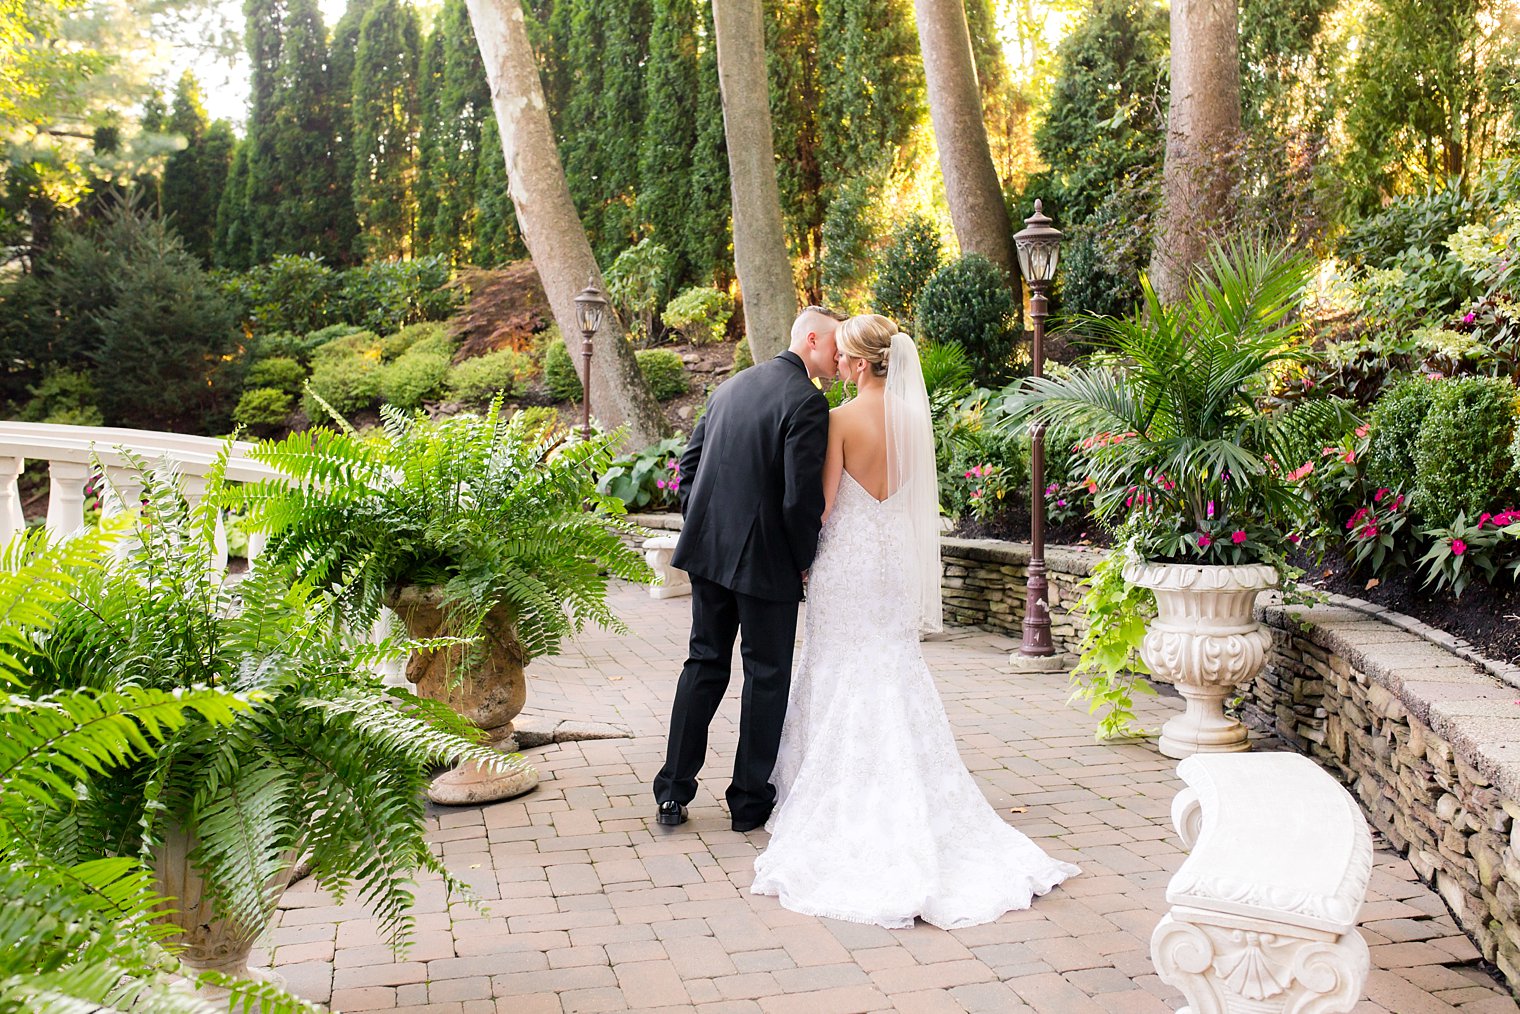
671,813
745,826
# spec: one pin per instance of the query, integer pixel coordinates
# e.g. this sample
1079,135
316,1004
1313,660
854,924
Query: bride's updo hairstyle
867,336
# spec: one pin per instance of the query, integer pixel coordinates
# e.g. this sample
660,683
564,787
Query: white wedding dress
877,819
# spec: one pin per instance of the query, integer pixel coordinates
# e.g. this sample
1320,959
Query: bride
877,820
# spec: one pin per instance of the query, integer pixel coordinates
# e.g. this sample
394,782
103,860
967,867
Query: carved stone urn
1206,642
490,693
211,942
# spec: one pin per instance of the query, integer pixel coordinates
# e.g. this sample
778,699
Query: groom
752,500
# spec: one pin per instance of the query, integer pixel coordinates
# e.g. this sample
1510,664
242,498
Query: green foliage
232,241
967,302
195,175
906,265
423,339
1462,549
664,372
387,295
278,372
743,358
288,293
638,283
481,378
137,306
497,238
349,383
1110,672
469,503
1395,428
384,112
1172,433
648,478
850,233
700,314
946,369
263,407
345,342
1462,454
561,376
412,378
63,396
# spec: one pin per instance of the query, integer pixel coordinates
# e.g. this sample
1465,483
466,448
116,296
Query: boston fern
319,757
1174,437
488,509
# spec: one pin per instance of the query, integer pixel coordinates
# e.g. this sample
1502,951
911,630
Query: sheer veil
911,475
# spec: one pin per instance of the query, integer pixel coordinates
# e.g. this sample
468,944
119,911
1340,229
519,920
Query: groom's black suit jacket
752,482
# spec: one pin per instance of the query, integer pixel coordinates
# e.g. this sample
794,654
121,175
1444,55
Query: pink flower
1204,542
1238,536
1295,538
1129,501
1378,496
1458,547
1211,508
1369,530
1051,489
1398,501
1060,503
659,483
1470,317
1349,457
1484,517
968,475
977,493
1351,522
1363,429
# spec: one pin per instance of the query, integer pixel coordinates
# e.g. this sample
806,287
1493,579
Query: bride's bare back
858,445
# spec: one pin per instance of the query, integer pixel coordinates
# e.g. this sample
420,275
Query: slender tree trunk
551,230
1202,141
955,105
765,271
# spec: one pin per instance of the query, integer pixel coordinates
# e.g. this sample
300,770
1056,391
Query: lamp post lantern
1039,249
590,305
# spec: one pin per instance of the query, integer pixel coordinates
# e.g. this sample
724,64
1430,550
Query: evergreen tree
497,239
709,220
341,53
385,128
232,246
792,54
434,131
672,94
197,173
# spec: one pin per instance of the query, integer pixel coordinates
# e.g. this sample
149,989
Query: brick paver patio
592,907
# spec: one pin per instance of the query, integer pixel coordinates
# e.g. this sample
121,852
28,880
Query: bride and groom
849,761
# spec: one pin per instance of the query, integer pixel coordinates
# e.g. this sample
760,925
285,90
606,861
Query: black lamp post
590,305
1039,248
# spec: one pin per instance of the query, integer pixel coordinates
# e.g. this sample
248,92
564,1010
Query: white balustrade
1264,908
72,451
658,550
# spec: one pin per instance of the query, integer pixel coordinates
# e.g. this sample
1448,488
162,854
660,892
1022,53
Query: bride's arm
833,463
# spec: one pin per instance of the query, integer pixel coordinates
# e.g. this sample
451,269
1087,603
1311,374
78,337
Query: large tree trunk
955,105
551,229
765,271
1202,141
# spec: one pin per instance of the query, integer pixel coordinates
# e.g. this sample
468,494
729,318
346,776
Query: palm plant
495,513
1174,436
320,755
82,933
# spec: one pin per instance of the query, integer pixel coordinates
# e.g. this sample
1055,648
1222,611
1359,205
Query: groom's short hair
826,311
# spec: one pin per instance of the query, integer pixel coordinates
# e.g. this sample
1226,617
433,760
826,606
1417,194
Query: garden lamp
590,306
1039,247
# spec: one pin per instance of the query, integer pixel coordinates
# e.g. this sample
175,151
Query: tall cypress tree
709,221
497,239
792,54
342,50
669,139
195,175
434,131
385,128
232,246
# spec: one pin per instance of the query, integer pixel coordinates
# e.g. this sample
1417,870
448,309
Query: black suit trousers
768,629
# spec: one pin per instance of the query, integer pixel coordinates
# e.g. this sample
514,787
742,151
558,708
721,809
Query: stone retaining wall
1423,732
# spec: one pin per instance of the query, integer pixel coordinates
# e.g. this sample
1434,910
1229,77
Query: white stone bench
1264,908
658,550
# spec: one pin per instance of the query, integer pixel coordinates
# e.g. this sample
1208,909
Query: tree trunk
551,229
1202,141
765,271
955,105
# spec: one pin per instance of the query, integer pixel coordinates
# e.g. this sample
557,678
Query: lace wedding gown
877,820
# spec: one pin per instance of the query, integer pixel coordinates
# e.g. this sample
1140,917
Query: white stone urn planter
1206,642
211,942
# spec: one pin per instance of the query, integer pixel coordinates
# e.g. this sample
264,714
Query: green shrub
637,283
348,383
413,378
388,295
539,421
354,343
293,294
1462,456
278,372
968,302
63,396
479,378
648,478
908,262
263,407
561,376
664,371
1394,428
743,359
700,314
428,337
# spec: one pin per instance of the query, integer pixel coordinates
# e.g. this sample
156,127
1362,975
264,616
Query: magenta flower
1470,317
1378,496
1238,536
1458,547
1204,542
659,483
1211,508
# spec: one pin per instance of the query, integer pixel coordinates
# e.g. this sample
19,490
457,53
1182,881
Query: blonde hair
868,336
